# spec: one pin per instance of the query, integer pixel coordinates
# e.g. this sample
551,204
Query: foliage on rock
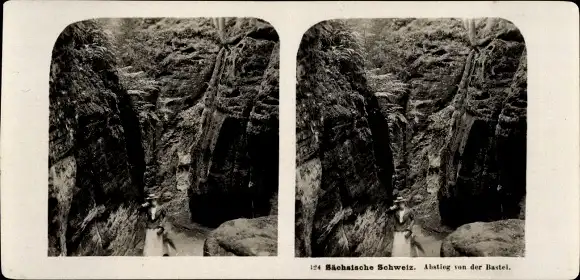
142,90
91,118
343,169
450,68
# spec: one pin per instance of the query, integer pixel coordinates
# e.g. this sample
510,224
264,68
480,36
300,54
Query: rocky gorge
183,108
433,110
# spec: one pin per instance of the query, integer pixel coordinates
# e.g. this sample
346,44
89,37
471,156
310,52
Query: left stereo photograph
164,138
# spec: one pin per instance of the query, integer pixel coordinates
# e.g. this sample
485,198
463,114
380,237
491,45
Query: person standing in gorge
156,239
404,220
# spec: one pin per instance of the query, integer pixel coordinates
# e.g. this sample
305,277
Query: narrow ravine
429,110
169,107
455,88
452,89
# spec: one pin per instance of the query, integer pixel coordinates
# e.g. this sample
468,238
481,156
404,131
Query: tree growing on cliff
220,24
470,27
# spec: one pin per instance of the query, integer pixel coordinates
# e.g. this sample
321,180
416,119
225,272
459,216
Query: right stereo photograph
411,138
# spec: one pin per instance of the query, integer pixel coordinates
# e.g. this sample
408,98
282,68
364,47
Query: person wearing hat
404,220
156,236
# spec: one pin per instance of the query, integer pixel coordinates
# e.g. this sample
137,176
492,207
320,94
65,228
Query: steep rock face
211,102
433,79
91,193
244,237
183,68
423,65
392,96
343,174
503,238
444,78
510,134
234,162
484,162
144,93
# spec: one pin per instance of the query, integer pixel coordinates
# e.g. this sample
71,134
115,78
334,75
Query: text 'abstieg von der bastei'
408,267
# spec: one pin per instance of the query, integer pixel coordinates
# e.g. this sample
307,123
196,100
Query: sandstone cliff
179,107
453,96
344,163
436,83
234,153
483,165
415,67
96,158
209,113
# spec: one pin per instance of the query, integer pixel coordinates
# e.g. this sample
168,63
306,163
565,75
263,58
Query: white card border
552,213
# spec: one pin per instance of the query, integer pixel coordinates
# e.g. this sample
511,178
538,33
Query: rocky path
431,243
187,237
188,241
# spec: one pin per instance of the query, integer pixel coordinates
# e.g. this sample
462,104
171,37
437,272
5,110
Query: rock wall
184,66
511,141
96,159
208,106
438,84
234,153
423,66
197,124
144,93
393,96
344,169
433,79
484,162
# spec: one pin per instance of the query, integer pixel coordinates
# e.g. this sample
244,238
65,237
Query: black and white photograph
411,138
290,140
164,138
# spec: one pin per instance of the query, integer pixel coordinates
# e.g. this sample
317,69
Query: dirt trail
188,241
187,237
431,243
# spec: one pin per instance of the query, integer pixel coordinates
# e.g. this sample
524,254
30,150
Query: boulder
503,238
244,237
